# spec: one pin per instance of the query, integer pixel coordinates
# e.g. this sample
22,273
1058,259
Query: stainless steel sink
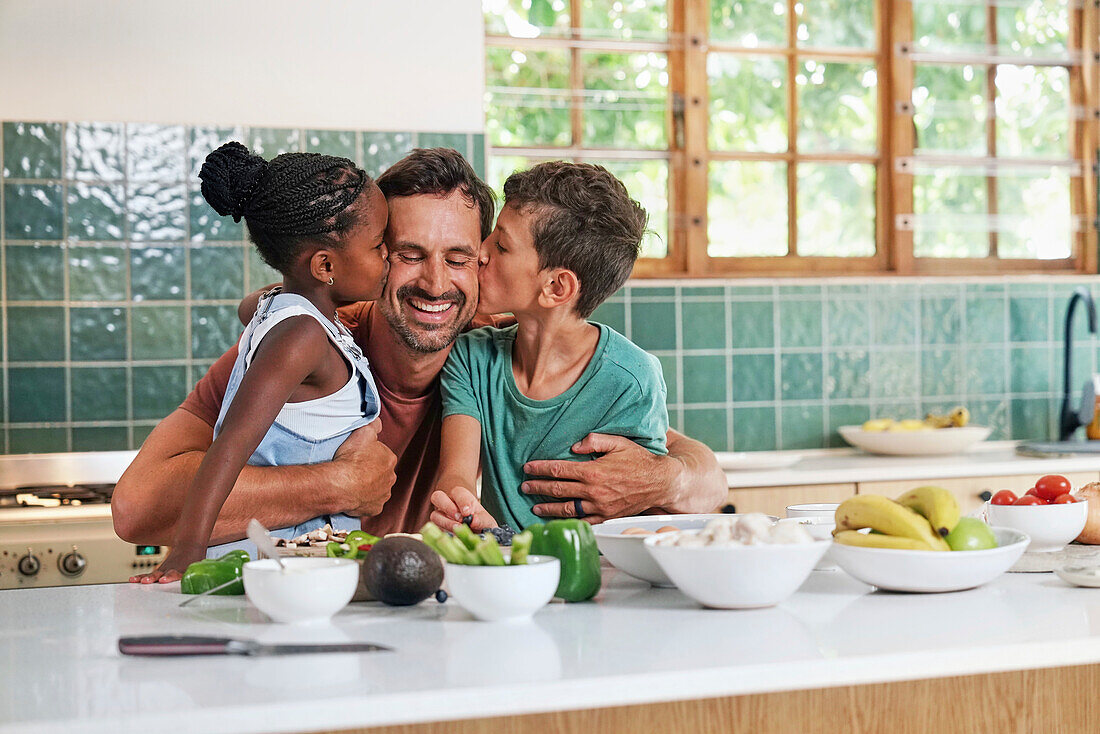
1057,448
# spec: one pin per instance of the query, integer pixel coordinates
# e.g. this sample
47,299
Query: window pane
953,206
747,209
749,23
1040,26
527,97
836,209
503,166
748,103
941,26
641,20
626,100
836,106
836,24
950,109
1039,223
526,18
647,183
1032,111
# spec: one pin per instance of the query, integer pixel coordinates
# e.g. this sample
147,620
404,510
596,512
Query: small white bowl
924,571
1050,527
820,527
309,590
737,576
815,509
627,552
504,593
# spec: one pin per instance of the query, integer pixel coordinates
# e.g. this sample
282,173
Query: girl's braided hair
293,199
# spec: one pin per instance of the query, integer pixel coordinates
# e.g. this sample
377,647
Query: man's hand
451,506
627,480
363,469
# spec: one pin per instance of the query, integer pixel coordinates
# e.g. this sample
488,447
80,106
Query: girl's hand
453,505
171,568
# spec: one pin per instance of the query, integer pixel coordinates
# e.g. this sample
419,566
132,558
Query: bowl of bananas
934,435
920,543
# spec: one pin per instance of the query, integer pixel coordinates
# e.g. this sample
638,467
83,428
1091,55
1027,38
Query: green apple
971,534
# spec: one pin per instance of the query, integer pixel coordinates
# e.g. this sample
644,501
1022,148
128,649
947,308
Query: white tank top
330,414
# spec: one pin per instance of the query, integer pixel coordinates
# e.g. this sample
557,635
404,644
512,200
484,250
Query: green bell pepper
211,572
574,544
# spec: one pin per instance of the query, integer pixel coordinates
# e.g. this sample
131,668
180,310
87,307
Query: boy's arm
453,495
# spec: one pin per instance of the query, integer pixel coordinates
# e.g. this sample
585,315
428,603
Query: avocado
401,571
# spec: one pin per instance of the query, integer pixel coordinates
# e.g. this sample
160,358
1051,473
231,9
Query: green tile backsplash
119,284
120,287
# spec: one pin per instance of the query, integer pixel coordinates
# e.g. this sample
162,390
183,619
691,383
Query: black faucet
1069,421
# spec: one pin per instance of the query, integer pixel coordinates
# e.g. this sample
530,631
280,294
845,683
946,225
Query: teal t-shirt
621,392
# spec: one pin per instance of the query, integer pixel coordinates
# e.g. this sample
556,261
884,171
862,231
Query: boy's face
510,279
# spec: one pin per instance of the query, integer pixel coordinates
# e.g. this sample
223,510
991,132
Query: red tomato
1033,492
1052,486
1004,497
1030,499
1064,499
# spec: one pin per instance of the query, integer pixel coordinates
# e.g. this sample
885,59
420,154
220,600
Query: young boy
566,239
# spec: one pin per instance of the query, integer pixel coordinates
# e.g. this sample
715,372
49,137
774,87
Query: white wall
368,64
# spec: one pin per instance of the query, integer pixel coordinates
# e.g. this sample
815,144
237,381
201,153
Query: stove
55,521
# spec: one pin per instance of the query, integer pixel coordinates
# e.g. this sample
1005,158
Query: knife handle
178,645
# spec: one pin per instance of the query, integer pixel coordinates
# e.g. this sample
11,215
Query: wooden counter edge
1061,700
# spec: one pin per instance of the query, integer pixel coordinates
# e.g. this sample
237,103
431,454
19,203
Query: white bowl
310,590
499,593
932,442
820,527
918,570
1050,527
627,552
737,576
815,509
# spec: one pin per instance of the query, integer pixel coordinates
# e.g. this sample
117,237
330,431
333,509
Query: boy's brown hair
585,222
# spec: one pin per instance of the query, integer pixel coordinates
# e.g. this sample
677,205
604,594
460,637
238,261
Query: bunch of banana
918,520
957,418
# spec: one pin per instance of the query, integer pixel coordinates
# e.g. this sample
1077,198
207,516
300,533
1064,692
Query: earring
330,281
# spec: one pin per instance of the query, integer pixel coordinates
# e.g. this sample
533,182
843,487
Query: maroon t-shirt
410,429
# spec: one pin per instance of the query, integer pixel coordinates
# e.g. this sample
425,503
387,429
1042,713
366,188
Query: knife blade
158,645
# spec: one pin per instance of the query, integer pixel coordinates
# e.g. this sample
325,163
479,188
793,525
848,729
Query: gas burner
55,495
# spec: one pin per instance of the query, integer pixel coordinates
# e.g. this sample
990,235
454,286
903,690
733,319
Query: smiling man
440,212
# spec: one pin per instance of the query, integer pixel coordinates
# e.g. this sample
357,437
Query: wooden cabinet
774,500
968,489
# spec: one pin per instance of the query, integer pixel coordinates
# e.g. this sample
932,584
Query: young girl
300,384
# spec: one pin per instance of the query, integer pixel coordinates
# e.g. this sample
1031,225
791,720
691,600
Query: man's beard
425,338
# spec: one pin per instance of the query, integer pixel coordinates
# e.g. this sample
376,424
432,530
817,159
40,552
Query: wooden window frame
689,156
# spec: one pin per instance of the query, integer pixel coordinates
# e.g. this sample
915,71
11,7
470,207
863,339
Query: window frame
689,156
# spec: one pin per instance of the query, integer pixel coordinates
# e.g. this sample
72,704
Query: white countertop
840,466
61,670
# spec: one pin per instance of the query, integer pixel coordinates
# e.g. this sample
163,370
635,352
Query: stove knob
71,564
29,565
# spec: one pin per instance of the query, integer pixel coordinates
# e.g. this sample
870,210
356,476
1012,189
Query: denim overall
282,446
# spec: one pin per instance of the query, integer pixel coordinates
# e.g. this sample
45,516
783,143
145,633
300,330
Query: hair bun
229,178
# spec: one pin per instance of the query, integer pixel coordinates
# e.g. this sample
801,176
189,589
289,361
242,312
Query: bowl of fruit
934,435
1048,513
919,543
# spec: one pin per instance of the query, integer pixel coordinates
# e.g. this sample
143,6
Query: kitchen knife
192,645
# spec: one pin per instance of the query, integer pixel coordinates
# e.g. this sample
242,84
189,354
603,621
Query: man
439,214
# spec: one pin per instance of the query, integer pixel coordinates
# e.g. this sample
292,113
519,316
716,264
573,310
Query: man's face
431,292
510,278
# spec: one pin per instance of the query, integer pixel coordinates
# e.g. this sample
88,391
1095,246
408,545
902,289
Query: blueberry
467,520
503,535
441,596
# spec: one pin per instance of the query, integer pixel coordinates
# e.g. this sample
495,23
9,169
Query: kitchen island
1020,654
